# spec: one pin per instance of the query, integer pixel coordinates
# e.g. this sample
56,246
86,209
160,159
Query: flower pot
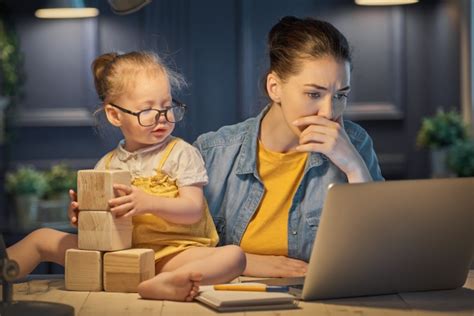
54,209
26,210
439,165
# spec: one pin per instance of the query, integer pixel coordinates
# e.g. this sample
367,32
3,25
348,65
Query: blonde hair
114,72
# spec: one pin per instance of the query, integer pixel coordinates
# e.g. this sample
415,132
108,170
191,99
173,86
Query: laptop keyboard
297,286
293,282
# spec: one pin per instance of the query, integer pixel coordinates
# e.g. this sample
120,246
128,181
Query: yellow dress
165,238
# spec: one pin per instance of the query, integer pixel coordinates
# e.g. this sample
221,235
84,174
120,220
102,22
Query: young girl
166,200
277,166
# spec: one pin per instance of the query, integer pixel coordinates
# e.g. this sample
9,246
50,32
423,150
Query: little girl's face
149,91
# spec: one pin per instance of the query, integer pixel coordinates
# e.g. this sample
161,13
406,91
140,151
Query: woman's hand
274,266
330,138
73,209
132,201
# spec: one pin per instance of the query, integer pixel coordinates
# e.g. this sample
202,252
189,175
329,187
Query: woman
268,175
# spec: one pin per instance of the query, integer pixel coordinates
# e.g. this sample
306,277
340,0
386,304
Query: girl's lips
159,131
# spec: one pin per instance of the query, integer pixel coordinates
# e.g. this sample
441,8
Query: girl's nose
160,117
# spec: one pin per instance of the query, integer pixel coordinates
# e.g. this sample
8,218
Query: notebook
390,237
230,301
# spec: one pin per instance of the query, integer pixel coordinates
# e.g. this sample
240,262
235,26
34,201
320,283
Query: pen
250,287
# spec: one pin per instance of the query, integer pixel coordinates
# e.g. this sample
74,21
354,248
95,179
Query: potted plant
60,178
26,185
11,61
12,77
438,133
461,158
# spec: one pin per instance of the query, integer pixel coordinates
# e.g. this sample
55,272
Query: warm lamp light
66,9
385,2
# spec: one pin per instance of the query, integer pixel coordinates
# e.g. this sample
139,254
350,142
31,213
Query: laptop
390,237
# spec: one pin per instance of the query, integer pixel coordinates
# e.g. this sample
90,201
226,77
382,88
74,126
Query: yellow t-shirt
281,173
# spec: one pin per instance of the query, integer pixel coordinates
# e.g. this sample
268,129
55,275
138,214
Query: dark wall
406,65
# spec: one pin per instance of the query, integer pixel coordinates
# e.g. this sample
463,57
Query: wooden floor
454,302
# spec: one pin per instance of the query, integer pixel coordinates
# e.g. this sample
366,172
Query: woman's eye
340,96
314,95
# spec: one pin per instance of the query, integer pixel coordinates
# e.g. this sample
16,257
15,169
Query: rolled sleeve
187,166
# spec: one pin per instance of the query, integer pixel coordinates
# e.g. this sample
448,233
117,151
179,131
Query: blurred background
411,84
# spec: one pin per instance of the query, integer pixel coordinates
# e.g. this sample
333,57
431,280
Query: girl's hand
330,138
73,209
133,201
274,266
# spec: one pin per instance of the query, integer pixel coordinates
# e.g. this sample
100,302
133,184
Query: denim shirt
235,189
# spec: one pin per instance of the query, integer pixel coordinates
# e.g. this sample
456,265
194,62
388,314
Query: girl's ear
274,87
113,116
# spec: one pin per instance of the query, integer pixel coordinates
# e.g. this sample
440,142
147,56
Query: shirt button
294,232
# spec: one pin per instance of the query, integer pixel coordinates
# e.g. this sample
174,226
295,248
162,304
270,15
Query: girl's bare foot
173,286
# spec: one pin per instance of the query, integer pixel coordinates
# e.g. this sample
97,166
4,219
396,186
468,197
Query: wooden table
452,302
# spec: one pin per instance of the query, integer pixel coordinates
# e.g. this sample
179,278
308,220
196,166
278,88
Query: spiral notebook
229,301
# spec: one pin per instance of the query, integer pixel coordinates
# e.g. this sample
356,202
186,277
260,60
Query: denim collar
247,158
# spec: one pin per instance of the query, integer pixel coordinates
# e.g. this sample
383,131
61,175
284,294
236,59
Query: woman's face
148,92
320,88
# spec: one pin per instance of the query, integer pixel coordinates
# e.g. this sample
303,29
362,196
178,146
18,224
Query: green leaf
441,130
26,180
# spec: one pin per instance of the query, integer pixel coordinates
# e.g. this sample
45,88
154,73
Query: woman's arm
187,208
358,171
274,266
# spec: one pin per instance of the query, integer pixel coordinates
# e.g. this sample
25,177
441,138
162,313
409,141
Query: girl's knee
41,238
52,244
41,234
48,236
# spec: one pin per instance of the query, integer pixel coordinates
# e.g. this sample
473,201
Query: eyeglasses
146,118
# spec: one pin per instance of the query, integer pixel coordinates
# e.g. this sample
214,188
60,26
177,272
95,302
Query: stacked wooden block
104,259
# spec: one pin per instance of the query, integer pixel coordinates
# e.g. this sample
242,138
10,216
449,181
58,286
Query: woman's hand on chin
330,138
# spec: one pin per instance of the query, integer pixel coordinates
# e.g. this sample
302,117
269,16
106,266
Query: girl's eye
314,95
144,107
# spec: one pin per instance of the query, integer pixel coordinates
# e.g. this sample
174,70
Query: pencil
250,287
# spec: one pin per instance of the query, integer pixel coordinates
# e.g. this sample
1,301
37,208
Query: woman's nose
326,109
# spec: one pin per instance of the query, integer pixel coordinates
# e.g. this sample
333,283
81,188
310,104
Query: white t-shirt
184,164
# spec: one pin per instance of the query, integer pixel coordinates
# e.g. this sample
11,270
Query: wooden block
125,269
99,230
95,188
83,270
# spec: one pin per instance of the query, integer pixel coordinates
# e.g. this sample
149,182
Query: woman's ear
274,87
113,116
